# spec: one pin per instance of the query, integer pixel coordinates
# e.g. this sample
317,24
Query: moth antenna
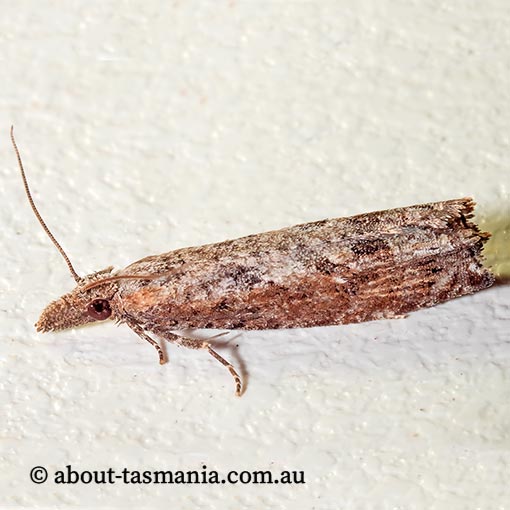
36,212
102,281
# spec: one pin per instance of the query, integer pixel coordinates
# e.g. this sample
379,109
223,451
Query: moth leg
141,333
194,343
231,369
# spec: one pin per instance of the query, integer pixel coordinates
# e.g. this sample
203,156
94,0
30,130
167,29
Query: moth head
92,298
90,301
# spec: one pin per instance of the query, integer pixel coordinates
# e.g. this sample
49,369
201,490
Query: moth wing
377,265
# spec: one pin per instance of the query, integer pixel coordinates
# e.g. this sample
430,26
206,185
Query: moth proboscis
379,265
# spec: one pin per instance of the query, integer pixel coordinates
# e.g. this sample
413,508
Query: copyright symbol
38,474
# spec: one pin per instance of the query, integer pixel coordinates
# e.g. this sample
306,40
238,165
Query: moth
379,265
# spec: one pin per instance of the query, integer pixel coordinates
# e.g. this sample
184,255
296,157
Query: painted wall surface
150,126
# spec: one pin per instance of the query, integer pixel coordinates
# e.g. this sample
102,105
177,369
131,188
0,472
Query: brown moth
379,265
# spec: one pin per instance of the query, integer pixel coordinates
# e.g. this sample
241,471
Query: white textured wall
148,126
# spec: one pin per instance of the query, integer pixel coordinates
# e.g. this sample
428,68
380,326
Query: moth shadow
497,251
164,347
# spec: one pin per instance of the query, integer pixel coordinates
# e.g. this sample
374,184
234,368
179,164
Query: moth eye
99,309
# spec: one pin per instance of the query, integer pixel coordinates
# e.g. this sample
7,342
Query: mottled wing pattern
371,266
